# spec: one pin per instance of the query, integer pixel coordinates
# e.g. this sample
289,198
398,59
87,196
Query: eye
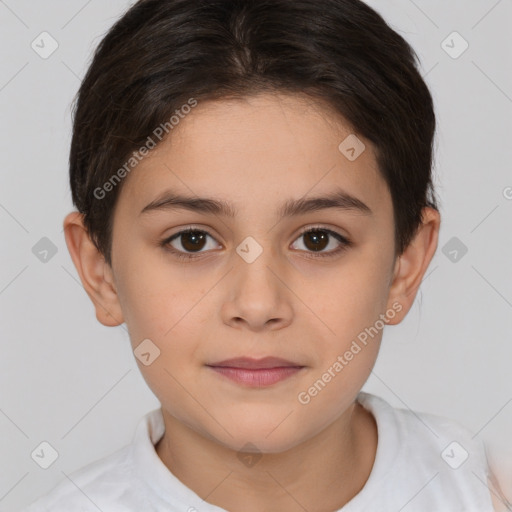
318,238
187,242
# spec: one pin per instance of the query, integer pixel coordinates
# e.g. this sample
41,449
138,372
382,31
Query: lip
257,378
256,373
256,364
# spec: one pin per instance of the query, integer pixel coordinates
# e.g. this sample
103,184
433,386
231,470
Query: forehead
263,148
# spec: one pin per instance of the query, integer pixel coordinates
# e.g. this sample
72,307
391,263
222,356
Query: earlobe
412,264
92,269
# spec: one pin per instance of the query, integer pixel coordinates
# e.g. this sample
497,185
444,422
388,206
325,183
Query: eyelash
345,243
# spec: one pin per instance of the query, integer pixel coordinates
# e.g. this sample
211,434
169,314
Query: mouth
250,363
256,372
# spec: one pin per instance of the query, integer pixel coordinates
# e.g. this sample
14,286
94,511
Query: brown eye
188,243
316,240
193,240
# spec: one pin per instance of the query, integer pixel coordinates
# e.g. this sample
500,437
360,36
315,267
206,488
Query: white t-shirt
424,463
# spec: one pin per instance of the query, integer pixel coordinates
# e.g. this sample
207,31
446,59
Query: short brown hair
161,53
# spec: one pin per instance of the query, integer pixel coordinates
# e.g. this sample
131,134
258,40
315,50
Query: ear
411,266
95,273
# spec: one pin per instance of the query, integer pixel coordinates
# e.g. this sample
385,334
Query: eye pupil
319,241
193,240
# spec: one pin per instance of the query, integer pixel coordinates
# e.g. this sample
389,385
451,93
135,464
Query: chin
254,439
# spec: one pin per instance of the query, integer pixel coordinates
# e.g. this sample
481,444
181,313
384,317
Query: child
255,201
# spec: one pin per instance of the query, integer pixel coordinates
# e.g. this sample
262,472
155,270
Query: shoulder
430,452
91,488
116,482
429,436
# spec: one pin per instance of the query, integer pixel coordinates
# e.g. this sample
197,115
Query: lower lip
257,378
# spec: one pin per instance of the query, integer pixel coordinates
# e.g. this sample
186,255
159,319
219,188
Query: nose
258,295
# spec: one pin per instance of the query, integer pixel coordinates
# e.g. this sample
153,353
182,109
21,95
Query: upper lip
255,364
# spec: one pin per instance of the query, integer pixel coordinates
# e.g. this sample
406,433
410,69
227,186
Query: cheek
351,297
169,316
349,305
155,296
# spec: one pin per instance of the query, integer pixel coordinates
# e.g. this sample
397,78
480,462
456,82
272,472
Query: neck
323,473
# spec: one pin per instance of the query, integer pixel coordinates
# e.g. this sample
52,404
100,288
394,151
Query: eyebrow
339,199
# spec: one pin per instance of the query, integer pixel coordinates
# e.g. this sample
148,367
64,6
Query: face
302,286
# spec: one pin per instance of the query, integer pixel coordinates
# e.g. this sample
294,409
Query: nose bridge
257,294
257,260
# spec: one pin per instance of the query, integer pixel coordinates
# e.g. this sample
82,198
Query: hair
341,53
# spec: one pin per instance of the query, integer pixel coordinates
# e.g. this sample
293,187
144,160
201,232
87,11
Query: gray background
68,380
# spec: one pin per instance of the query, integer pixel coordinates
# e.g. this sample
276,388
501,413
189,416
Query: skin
289,303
